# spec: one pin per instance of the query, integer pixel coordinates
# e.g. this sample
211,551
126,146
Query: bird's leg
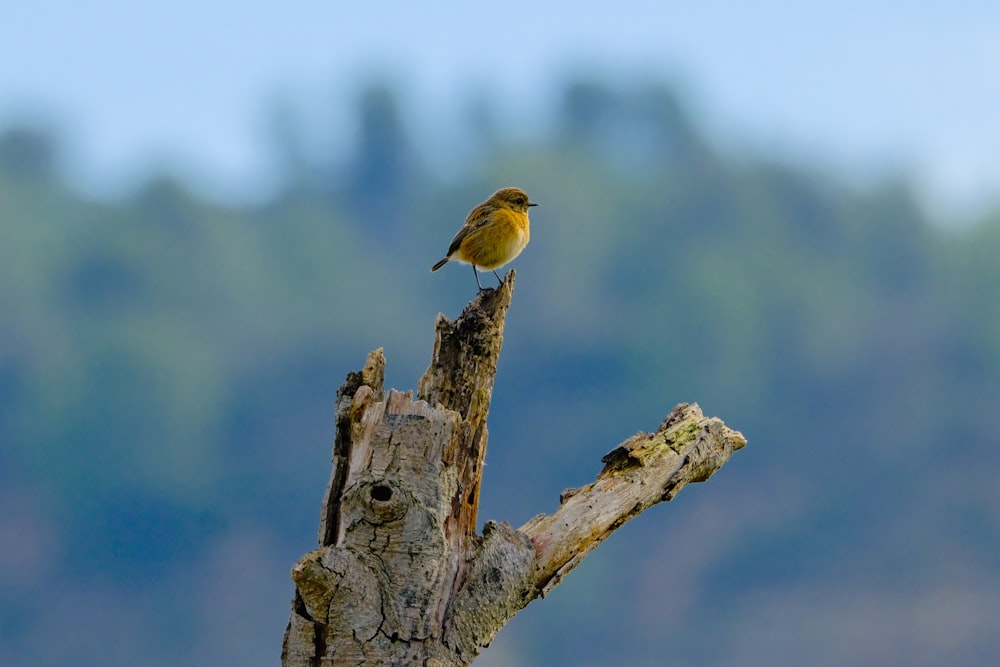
476,273
498,277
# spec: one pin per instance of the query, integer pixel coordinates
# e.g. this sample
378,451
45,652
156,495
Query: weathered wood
401,577
642,471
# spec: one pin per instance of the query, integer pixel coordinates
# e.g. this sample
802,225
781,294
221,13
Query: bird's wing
457,241
478,218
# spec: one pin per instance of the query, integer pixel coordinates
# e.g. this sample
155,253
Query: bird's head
512,198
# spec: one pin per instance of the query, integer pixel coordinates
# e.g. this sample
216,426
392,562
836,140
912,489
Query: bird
494,233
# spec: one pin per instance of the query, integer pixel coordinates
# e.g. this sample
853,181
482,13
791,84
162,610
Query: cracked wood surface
400,576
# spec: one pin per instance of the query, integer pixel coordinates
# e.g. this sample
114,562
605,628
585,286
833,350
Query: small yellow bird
495,232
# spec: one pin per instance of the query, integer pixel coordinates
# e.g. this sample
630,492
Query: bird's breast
498,242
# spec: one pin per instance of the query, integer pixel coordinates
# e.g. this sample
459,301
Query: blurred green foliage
168,367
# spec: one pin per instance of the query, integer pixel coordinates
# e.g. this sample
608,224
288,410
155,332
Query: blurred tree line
168,366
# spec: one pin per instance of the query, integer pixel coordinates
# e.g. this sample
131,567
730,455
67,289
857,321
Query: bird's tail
439,264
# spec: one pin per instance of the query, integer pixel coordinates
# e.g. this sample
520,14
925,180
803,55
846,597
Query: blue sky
864,87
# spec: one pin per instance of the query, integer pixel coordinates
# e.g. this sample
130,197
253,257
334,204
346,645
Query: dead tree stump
401,576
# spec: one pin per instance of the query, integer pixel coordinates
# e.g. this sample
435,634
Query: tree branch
642,471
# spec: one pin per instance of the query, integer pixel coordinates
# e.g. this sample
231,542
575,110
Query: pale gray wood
401,577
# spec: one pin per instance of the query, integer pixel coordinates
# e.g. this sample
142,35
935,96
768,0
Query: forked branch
400,576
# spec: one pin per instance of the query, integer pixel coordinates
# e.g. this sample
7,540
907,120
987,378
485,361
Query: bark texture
401,576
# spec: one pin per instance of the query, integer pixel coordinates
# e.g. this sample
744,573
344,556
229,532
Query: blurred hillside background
181,297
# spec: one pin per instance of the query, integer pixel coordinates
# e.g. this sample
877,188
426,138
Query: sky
867,88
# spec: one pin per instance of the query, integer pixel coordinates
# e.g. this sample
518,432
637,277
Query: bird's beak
532,204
